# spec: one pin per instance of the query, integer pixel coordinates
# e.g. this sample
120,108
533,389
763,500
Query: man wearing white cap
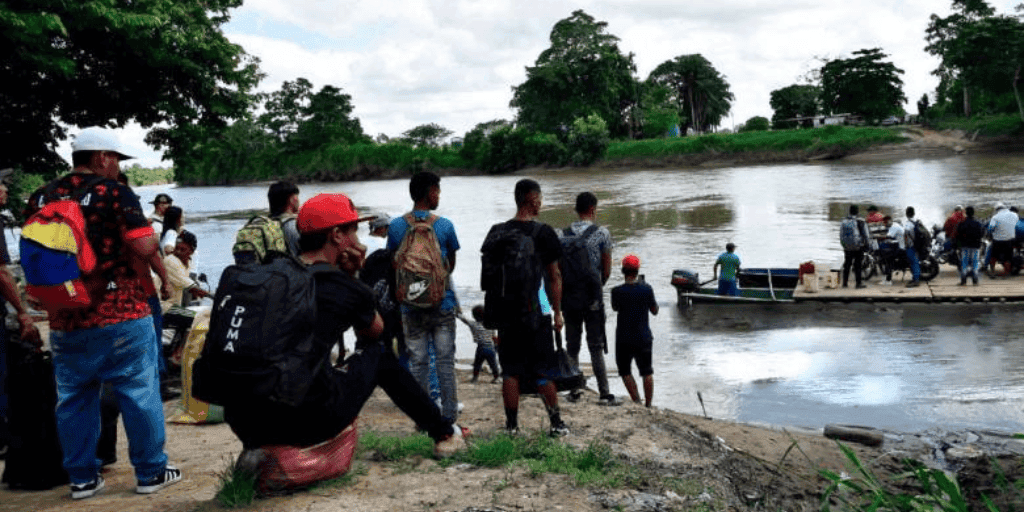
111,340
1003,226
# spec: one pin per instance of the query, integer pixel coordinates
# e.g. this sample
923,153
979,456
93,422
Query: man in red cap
633,338
327,226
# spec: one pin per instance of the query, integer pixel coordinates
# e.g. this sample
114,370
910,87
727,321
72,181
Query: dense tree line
168,66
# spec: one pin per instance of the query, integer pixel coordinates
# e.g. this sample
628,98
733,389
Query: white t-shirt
896,233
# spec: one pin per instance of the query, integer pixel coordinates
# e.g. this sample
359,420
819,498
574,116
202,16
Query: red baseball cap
325,211
631,262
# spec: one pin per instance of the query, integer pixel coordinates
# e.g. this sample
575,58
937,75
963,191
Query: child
484,339
633,337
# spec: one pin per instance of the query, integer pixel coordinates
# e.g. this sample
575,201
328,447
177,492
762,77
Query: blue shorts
728,287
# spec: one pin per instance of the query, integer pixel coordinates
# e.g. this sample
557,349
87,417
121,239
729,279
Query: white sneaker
170,476
886,282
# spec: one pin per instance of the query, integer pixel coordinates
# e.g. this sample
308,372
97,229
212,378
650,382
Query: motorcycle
886,260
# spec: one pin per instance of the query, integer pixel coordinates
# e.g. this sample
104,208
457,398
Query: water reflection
906,367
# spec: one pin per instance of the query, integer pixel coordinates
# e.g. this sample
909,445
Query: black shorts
526,352
1002,251
625,354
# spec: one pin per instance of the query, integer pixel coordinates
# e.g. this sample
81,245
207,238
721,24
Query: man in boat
730,263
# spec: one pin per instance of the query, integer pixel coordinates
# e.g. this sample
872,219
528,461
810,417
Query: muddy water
901,368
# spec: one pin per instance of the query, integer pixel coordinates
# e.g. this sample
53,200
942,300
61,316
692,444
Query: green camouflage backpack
259,237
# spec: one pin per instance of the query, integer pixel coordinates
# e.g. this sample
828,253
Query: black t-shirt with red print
113,217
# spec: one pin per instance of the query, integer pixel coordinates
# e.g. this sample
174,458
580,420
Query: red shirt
113,217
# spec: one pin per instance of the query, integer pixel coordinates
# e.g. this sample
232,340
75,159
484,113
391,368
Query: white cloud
454,62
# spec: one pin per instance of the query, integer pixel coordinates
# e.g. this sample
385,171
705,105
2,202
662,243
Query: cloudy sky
411,62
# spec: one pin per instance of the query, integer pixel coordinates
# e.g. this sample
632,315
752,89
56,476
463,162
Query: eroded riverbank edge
688,463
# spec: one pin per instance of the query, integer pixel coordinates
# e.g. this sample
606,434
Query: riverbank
687,463
919,143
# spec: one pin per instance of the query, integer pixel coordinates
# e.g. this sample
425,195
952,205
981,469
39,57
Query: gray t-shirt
599,242
291,232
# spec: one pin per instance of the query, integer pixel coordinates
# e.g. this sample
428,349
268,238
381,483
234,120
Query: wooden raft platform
944,288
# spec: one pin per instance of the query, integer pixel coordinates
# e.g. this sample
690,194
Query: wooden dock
944,288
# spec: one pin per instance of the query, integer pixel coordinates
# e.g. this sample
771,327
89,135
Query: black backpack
581,281
260,343
510,274
34,457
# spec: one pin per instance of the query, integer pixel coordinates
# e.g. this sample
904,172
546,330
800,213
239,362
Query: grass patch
237,488
392,448
841,138
539,454
987,126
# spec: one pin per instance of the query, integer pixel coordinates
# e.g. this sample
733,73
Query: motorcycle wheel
867,266
929,268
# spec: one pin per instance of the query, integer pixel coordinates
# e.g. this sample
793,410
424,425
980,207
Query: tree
588,140
981,52
794,101
431,135
301,120
657,114
943,37
97,62
922,105
755,124
862,85
583,72
700,91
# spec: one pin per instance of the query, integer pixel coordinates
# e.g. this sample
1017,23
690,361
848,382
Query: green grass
816,139
987,126
593,466
935,491
237,488
138,175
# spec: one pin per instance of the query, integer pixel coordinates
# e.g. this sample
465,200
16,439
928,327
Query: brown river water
906,368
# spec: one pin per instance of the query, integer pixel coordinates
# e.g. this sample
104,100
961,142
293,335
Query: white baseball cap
95,138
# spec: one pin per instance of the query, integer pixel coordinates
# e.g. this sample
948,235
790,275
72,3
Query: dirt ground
716,465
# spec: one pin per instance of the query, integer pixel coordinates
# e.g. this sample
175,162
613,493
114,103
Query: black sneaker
86,490
170,475
608,399
559,429
574,395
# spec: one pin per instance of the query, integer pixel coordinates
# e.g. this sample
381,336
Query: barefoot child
484,339
633,338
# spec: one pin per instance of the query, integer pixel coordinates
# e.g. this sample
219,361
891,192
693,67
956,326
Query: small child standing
633,338
484,339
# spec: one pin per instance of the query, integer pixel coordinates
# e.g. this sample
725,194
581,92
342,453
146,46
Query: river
906,369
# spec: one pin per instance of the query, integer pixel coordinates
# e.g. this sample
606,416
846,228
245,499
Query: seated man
176,264
177,320
327,225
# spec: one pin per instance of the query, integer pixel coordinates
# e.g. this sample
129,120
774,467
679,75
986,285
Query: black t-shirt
633,302
342,302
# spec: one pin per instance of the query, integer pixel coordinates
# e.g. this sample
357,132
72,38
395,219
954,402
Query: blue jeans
728,287
915,266
423,328
124,355
969,264
158,325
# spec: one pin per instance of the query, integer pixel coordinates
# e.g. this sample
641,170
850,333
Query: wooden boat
777,286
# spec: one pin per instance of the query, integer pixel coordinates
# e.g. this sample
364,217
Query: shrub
588,140
755,124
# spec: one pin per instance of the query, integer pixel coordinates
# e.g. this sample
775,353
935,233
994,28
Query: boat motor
686,280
